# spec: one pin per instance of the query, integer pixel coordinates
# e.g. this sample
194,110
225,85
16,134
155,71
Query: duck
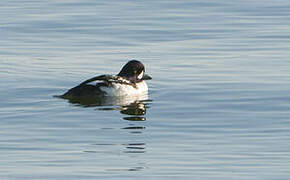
130,81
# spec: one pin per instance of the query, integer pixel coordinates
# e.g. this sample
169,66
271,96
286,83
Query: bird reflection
133,107
136,109
135,148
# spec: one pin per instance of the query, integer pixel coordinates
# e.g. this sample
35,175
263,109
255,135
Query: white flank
118,89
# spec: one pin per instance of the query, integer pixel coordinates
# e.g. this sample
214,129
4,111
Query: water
218,106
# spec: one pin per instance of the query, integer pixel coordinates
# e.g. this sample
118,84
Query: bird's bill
146,77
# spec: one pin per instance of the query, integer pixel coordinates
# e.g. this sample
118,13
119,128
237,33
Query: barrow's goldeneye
129,81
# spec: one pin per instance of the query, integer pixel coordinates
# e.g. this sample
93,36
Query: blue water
218,105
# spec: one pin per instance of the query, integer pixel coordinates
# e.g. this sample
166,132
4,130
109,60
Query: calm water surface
218,106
